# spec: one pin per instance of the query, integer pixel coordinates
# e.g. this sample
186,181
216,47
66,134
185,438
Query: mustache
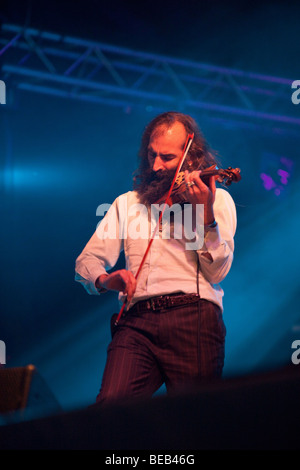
160,177
154,185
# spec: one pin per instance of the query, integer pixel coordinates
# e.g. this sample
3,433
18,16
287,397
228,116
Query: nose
158,164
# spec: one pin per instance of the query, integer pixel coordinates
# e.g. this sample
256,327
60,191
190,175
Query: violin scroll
230,175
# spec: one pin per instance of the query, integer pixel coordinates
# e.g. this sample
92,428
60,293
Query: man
172,329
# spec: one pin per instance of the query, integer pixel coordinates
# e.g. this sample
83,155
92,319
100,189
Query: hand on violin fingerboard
197,192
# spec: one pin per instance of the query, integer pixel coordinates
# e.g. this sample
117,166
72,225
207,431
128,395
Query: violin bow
186,148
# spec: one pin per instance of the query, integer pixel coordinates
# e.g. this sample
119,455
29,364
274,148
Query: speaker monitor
23,393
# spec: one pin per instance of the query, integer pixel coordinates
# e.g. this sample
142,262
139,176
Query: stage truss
68,67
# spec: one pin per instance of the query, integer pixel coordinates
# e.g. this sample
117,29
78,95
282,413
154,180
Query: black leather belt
163,301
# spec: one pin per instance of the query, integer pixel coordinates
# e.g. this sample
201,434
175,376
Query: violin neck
205,174
208,172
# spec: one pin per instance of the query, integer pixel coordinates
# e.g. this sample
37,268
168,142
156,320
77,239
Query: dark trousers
176,346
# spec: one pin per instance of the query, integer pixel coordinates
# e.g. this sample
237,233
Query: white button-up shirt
171,262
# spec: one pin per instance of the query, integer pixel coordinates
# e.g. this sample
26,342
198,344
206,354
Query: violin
178,194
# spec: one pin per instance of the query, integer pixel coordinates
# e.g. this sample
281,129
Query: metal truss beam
64,66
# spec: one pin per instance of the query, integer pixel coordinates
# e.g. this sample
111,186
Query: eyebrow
150,149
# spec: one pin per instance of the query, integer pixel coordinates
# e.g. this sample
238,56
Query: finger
199,182
189,181
212,184
130,292
192,180
131,286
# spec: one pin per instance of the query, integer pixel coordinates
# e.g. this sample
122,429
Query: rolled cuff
212,239
90,283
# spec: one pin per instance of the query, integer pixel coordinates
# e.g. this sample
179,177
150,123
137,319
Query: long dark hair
200,155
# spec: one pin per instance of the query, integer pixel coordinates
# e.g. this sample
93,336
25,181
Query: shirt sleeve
101,252
216,254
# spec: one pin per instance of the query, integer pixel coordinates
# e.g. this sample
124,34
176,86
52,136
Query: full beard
154,185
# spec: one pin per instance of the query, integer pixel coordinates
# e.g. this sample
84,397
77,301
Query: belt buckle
152,302
157,303
160,303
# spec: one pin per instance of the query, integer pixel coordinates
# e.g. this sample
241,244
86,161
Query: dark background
61,158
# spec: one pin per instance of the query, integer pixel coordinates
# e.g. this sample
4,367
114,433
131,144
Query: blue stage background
61,158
